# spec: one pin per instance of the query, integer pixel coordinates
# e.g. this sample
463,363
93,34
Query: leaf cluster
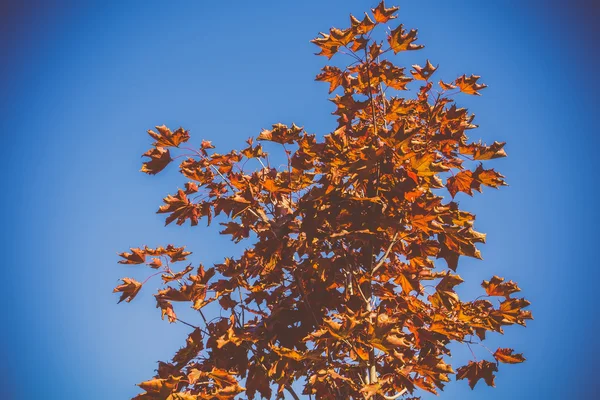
342,283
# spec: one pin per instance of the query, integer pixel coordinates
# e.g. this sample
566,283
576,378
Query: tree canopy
347,281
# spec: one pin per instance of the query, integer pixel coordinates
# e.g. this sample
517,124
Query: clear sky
82,81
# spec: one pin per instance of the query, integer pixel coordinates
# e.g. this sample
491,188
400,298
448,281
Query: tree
338,286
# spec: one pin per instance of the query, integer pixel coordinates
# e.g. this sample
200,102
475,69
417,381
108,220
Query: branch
291,390
372,370
367,301
387,253
192,326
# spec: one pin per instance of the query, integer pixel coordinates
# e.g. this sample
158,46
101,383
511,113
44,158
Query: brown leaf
288,353
166,309
423,73
156,263
197,170
359,44
333,75
393,76
237,231
253,152
206,144
488,177
329,44
461,182
179,254
159,159
192,348
162,387
511,312
129,289
446,86
469,84
341,37
191,188
258,381
361,27
166,138
497,287
475,371
137,256
399,40
483,152
506,356
281,134
444,295
382,14
176,276
180,208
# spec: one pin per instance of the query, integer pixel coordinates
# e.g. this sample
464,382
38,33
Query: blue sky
82,81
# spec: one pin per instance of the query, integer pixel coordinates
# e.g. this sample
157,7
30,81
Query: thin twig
146,280
192,326
289,388
203,317
243,312
387,253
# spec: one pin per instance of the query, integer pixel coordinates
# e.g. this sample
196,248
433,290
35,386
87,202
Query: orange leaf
162,387
476,371
446,86
401,41
483,152
166,138
506,356
137,256
488,177
333,75
129,289
461,182
497,287
393,76
159,159
382,14
469,84
166,309
156,263
423,73
282,134
180,208
193,346
361,27
359,43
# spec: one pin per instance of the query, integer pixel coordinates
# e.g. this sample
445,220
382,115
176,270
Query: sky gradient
83,81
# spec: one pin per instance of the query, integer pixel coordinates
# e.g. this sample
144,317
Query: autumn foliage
347,281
